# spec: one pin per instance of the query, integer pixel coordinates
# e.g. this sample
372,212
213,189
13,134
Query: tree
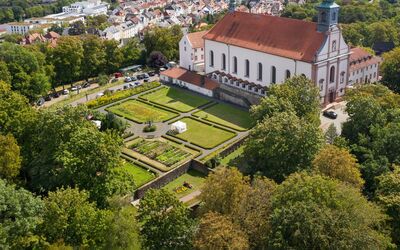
123,230
56,28
156,59
20,216
390,69
15,111
314,212
103,79
331,134
77,153
113,56
4,73
218,232
67,59
297,94
10,160
165,221
273,140
93,56
165,40
112,122
131,52
77,28
223,191
26,66
388,195
71,218
339,164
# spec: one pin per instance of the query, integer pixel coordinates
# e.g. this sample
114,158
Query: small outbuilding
178,127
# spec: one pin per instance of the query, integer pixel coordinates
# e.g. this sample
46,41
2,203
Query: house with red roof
363,67
191,51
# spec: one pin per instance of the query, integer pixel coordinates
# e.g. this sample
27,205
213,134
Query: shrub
150,128
107,99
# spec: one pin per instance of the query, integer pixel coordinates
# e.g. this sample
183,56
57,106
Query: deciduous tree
390,69
165,221
339,164
10,160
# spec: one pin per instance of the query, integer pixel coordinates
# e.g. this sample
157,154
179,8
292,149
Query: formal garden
209,127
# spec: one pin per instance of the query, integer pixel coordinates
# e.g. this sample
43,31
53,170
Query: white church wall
185,50
281,64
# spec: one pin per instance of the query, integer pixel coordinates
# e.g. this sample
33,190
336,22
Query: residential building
191,51
23,28
363,67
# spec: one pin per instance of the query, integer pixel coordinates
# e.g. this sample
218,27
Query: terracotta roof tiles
285,37
196,39
190,77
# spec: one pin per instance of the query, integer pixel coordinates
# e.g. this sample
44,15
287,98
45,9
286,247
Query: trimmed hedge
107,99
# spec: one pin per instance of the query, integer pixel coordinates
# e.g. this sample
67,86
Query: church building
247,53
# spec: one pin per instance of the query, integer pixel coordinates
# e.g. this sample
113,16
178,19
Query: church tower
328,13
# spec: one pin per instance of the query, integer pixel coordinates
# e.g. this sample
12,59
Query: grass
141,175
227,115
204,135
178,99
237,159
193,177
141,112
229,159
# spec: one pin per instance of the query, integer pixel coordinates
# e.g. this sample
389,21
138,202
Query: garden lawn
141,112
227,115
178,99
141,175
204,135
193,177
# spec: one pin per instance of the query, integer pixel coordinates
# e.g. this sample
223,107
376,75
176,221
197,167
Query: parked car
128,79
114,80
99,94
330,114
47,98
140,76
126,86
56,95
40,102
65,92
133,78
131,85
152,73
162,69
137,83
146,79
75,88
145,76
117,75
86,84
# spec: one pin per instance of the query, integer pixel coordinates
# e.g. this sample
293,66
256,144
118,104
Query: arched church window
332,74
211,58
287,74
247,68
273,74
235,64
334,45
260,72
223,61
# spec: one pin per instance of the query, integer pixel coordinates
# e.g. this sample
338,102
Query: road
339,108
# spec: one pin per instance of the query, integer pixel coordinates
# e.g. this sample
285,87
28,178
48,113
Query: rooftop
196,39
285,37
190,77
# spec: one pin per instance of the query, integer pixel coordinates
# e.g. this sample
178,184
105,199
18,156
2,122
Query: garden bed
141,112
203,134
192,177
227,115
141,175
177,99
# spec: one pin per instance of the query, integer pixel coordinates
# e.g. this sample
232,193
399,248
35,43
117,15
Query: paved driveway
339,108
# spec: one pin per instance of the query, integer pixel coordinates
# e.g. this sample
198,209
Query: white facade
190,86
190,58
89,8
328,71
367,74
20,28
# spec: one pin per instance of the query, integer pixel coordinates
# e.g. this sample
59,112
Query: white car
65,92
75,88
99,95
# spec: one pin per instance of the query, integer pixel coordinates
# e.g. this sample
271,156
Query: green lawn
141,112
204,135
194,178
227,115
141,175
229,159
178,99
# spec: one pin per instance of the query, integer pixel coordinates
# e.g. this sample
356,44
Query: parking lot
342,116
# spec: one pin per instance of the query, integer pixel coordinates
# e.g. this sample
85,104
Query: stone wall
237,96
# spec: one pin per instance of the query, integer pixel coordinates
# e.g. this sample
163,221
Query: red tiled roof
359,58
196,39
291,38
190,77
